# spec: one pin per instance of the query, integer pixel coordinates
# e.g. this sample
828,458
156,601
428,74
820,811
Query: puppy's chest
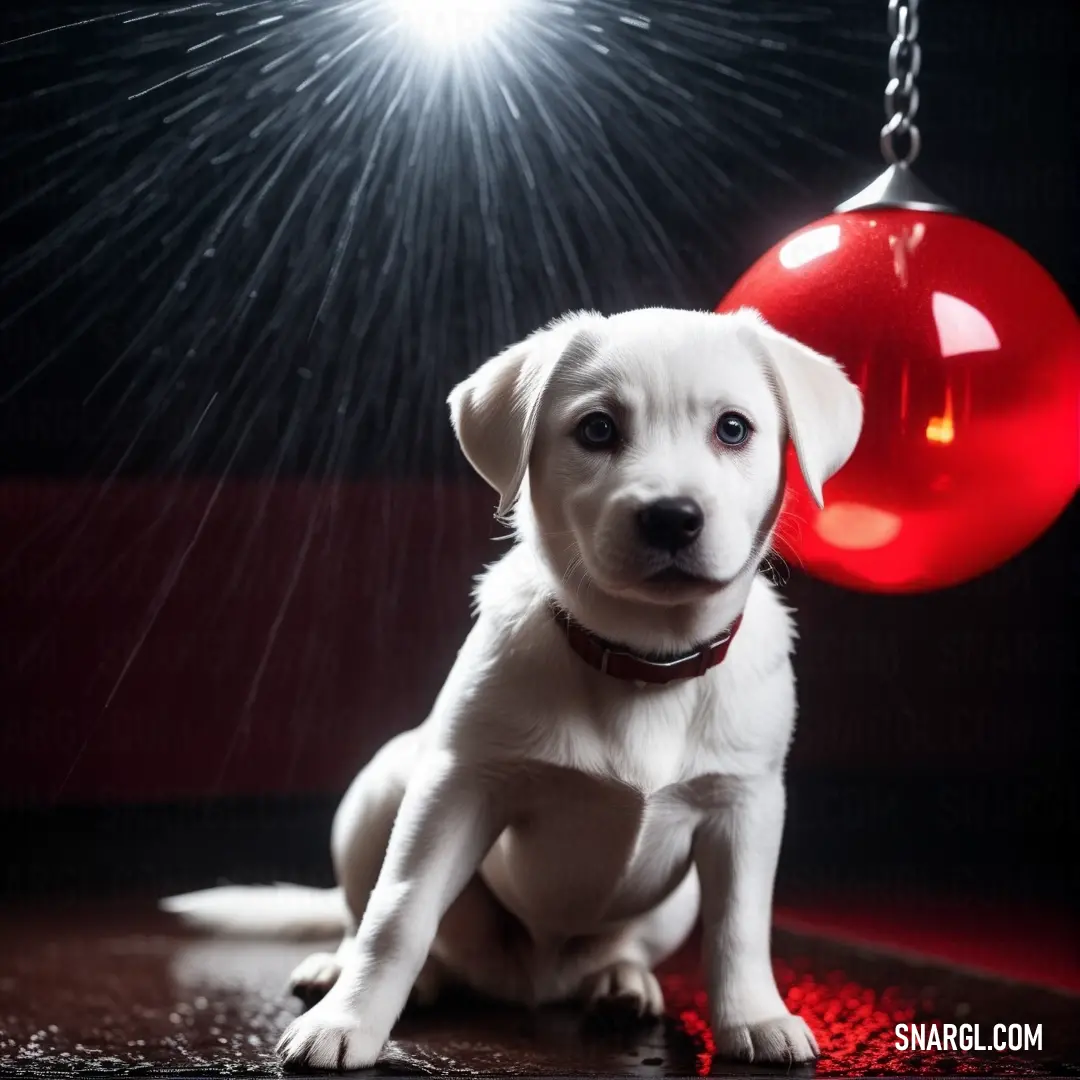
604,809
647,743
581,849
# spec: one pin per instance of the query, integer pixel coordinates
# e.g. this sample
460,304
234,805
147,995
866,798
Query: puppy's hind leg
623,987
621,993
665,929
315,974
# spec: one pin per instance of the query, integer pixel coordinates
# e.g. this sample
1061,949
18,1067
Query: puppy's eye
597,432
732,429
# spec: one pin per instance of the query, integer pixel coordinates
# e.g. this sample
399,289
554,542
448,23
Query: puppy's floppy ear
494,411
822,406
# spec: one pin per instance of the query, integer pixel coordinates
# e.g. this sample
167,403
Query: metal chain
901,93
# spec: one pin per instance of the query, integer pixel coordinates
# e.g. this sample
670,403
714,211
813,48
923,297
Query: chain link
901,93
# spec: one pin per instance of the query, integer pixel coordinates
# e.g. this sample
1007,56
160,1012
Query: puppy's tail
287,912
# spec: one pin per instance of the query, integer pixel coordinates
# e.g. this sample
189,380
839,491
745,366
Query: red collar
620,663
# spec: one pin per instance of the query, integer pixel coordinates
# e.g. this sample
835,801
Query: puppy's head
645,451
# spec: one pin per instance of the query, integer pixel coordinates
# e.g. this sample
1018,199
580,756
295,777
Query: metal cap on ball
897,188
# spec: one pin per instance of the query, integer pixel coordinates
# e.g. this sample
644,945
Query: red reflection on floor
852,1023
855,1026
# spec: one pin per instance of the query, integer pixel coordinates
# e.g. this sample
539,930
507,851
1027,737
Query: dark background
235,537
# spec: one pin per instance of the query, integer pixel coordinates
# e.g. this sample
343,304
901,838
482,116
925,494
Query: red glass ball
968,357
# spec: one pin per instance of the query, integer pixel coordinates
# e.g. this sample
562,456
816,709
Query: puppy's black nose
671,524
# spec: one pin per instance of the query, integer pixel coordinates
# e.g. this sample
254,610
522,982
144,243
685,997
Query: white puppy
600,766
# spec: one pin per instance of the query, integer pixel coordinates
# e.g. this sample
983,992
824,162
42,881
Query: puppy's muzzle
671,524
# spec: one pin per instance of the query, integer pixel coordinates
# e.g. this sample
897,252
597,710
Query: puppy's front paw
624,992
329,1037
785,1040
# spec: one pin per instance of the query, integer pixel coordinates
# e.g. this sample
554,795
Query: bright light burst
448,25
222,197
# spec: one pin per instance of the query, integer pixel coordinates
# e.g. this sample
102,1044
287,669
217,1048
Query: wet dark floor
119,990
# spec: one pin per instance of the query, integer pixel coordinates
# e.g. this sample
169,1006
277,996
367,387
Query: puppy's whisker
556,534
584,587
576,575
789,527
790,518
776,567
